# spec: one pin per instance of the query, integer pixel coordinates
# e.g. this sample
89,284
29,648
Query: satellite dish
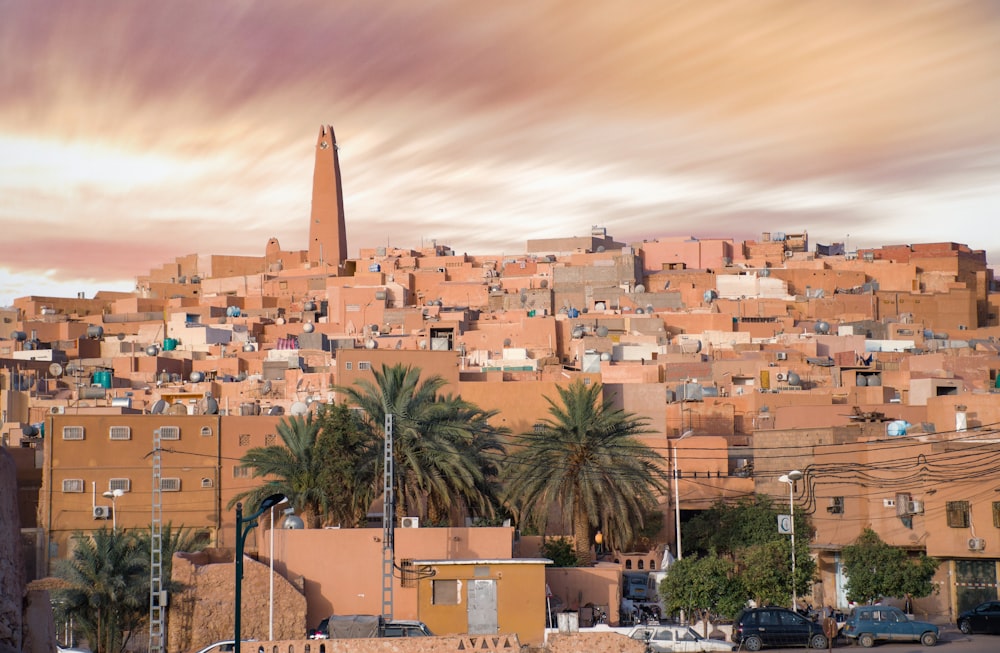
308,327
152,350
120,336
298,408
211,406
370,344
640,288
73,368
248,347
506,342
177,409
55,369
29,431
266,389
309,306
276,410
602,331
197,377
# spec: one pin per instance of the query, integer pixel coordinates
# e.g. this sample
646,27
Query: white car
677,639
60,648
226,646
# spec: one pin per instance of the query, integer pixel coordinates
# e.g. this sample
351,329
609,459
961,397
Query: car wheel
965,626
818,641
867,640
928,639
753,643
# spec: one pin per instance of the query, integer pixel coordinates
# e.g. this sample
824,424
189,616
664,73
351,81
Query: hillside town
872,374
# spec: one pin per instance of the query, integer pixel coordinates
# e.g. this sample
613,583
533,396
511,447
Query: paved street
951,641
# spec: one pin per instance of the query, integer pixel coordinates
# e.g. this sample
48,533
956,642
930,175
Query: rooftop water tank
897,427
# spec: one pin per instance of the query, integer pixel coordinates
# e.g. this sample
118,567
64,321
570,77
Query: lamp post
790,478
677,491
243,527
113,495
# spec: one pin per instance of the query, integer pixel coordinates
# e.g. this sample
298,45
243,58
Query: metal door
482,607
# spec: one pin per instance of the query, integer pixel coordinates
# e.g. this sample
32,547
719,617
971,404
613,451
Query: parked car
871,623
366,625
677,639
406,628
755,628
321,631
984,618
226,646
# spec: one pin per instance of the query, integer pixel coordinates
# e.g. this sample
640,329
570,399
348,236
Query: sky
135,132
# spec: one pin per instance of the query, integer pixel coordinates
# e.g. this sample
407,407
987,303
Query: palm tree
108,587
294,470
586,459
439,443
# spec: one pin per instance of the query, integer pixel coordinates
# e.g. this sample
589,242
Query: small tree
875,569
560,551
702,586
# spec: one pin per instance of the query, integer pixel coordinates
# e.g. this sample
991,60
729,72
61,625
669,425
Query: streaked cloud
131,133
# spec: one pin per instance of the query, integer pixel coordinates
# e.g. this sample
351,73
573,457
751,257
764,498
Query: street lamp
113,495
790,478
677,490
243,527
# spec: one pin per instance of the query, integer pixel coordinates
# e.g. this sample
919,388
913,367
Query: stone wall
11,562
203,612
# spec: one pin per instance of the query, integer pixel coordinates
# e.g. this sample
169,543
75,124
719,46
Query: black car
758,627
984,618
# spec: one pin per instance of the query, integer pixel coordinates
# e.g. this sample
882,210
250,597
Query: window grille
958,514
72,485
120,433
122,484
170,433
72,433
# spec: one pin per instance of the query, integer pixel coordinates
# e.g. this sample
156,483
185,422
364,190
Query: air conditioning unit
782,355
102,512
977,544
57,410
915,507
780,376
409,522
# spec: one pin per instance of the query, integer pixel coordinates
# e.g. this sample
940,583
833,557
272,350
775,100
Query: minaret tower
327,232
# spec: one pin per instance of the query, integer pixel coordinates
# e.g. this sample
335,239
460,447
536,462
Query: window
270,439
348,365
120,433
407,574
122,484
244,439
241,471
206,431
73,485
170,433
586,381
538,427
958,514
170,484
444,592
996,514
364,366
836,506
207,483
72,433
